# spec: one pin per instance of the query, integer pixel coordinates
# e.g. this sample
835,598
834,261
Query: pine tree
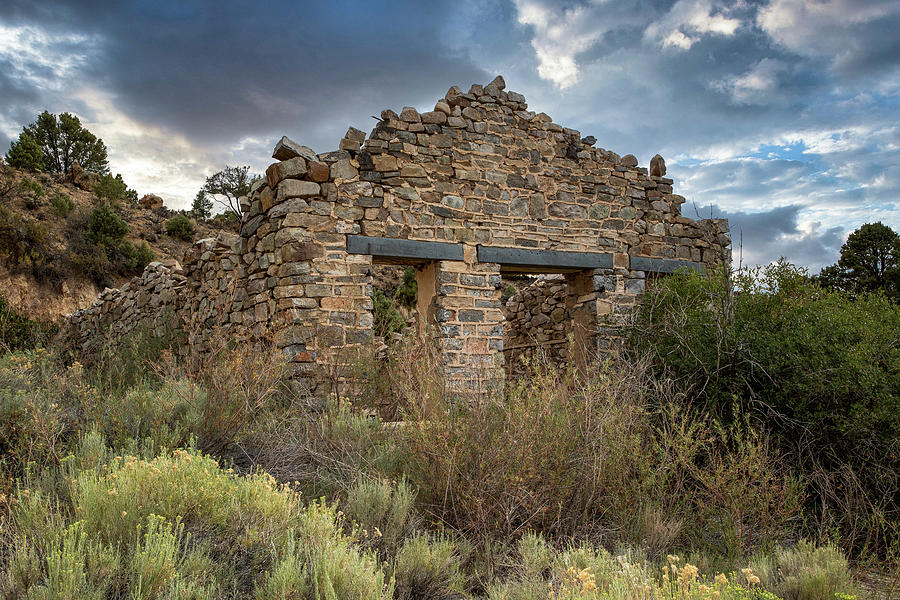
64,141
870,261
202,206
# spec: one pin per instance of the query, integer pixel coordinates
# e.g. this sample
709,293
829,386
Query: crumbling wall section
167,299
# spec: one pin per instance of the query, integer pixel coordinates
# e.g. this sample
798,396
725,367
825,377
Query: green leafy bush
106,226
177,526
112,190
806,572
32,192
810,363
135,258
23,240
409,288
180,227
89,258
816,356
429,568
26,153
386,512
97,247
387,319
61,205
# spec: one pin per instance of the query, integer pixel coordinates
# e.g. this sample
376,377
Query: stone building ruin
477,188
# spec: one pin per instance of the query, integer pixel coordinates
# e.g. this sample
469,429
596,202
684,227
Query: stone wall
200,296
478,173
537,323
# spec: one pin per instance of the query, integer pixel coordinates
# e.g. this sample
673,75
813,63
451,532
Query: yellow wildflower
688,573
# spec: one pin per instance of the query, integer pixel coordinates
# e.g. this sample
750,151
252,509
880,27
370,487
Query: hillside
51,265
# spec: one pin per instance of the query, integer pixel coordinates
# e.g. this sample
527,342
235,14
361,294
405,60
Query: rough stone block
434,117
318,171
385,162
297,251
293,168
295,188
287,148
342,169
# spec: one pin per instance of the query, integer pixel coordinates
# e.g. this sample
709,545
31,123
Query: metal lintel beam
664,265
403,249
547,260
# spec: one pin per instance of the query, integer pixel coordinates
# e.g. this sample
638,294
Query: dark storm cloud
217,72
764,237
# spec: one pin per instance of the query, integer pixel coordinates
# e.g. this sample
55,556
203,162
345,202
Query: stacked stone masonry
537,323
478,173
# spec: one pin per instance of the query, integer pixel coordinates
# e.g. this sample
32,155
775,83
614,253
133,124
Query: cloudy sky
782,115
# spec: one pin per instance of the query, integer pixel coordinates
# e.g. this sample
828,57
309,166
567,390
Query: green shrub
329,568
180,227
385,512
812,355
26,153
107,227
32,192
90,259
73,566
409,288
806,572
111,190
135,258
163,564
810,363
326,452
97,248
387,319
61,205
176,526
23,241
552,455
534,554
427,568
32,424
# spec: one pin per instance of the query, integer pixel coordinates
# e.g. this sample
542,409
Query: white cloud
820,28
559,35
756,85
152,159
688,21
